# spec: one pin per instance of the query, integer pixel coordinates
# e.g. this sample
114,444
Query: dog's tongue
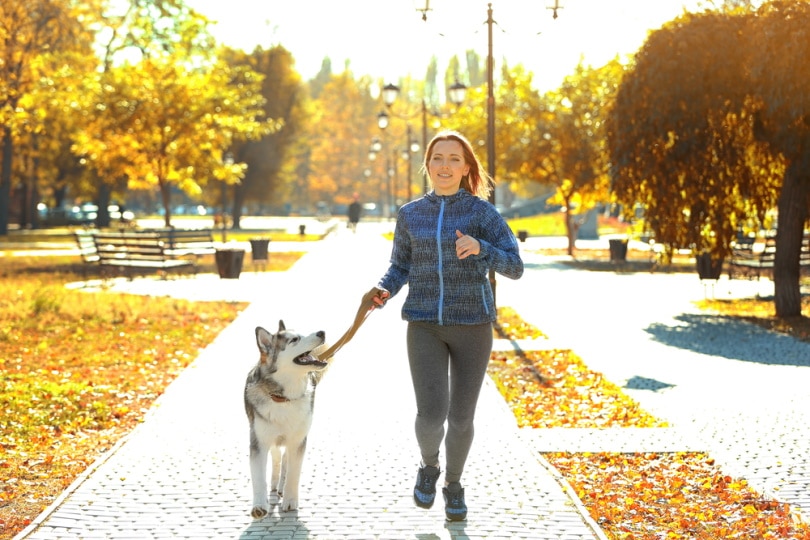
309,360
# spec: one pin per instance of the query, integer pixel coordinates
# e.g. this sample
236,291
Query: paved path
725,387
183,473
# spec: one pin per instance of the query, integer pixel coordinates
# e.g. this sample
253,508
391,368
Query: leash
362,313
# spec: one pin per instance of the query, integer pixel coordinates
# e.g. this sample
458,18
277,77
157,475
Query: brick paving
184,472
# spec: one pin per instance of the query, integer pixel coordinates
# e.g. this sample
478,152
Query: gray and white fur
279,402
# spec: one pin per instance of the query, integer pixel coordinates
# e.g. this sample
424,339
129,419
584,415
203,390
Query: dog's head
289,348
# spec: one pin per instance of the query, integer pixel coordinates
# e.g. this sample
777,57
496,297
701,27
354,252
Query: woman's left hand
466,245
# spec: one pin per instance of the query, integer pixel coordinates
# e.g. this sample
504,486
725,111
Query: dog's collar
278,398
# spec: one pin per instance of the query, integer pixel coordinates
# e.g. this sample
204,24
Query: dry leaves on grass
678,495
511,326
554,388
77,371
631,496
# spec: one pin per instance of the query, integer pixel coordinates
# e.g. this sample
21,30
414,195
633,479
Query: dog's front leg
276,479
258,477
294,459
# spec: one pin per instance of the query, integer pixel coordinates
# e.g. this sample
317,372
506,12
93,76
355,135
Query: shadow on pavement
645,383
726,337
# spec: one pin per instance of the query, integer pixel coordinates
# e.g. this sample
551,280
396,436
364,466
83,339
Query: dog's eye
295,340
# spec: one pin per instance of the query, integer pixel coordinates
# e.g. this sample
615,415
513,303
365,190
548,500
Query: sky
388,39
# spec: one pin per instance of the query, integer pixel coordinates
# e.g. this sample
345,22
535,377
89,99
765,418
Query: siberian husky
279,399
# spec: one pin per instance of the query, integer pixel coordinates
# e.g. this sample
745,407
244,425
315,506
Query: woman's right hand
379,298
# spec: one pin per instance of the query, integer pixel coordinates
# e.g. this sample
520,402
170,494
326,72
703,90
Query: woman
444,246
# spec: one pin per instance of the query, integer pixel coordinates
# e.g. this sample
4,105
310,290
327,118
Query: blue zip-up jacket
442,288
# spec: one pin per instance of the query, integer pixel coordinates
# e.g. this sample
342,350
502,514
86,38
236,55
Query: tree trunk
166,198
792,206
238,201
571,227
103,201
5,180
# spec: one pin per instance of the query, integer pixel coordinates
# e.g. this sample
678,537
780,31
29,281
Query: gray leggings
448,366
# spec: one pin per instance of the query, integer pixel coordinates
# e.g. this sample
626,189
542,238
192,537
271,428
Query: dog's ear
264,340
281,326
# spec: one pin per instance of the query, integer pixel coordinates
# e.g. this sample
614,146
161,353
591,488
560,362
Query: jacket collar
460,194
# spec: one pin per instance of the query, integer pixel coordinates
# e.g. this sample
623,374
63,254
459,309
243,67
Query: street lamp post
385,200
457,93
554,6
411,146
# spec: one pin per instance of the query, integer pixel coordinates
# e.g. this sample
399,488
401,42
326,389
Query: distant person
354,212
445,243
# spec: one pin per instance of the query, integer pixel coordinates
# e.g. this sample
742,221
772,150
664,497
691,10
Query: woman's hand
379,298
466,245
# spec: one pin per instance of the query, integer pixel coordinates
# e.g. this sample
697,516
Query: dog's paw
289,504
259,512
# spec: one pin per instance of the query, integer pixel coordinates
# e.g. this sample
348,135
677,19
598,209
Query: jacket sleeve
398,272
499,247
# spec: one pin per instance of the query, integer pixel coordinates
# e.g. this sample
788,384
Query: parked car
84,214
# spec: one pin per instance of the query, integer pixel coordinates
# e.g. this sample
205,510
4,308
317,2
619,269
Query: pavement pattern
183,473
727,388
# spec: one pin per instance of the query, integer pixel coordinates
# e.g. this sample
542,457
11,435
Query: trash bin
523,235
708,267
302,229
618,249
259,251
229,262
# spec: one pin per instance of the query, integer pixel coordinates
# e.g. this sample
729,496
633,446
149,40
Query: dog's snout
321,334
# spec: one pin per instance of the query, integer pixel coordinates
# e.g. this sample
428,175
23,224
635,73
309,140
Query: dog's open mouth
308,359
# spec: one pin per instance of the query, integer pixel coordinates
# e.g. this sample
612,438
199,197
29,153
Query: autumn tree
166,119
703,125
43,158
29,30
343,124
558,139
679,142
169,127
285,100
779,72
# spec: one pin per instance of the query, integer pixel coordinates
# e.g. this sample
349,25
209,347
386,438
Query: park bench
129,253
752,259
183,243
87,247
87,250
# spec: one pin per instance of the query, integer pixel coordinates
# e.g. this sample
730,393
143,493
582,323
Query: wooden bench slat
186,242
129,251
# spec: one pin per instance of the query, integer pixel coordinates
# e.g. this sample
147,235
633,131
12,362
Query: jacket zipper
441,263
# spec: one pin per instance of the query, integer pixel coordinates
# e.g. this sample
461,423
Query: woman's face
446,167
